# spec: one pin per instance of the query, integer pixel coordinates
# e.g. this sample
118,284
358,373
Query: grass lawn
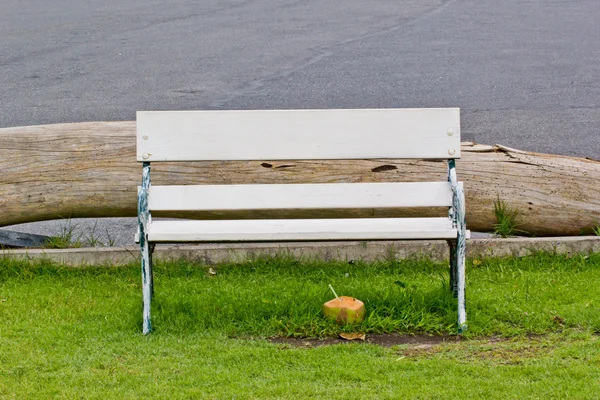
534,328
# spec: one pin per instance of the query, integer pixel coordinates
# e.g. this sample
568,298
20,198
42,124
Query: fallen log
89,170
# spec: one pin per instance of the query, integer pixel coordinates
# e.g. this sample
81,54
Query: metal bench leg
152,246
459,256
457,252
146,253
453,263
146,284
460,281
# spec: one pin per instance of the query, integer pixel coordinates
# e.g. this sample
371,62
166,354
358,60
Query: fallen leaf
353,336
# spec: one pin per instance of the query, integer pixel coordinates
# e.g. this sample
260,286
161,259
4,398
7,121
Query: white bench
301,135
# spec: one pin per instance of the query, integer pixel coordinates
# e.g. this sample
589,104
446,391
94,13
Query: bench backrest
298,134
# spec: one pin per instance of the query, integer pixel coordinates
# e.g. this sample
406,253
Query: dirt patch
394,339
495,350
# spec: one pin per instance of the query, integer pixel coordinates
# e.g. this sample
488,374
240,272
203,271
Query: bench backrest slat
299,196
298,134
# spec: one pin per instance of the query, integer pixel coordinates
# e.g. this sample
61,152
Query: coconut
345,310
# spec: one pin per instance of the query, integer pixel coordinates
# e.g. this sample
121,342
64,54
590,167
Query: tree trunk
89,170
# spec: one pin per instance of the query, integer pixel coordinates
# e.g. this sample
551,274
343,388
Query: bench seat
301,229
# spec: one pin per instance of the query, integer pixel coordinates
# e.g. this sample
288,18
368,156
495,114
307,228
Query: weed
110,240
66,239
596,231
506,219
91,239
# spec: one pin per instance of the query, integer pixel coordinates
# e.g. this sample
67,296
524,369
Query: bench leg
152,246
453,264
457,252
459,258
145,247
146,284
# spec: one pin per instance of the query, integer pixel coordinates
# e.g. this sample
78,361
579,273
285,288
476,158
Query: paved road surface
524,72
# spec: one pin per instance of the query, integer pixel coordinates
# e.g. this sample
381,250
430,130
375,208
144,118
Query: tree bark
89,170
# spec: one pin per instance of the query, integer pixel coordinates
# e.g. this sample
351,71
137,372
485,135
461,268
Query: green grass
73,333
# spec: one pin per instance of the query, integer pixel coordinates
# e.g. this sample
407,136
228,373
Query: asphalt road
524,72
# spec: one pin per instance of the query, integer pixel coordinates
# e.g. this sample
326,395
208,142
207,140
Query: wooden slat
299,196
298,134
168,240
299,230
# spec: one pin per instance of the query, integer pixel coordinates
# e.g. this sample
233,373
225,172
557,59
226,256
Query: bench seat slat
299,196
299,230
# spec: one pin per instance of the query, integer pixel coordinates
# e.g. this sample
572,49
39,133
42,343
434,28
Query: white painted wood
137,237
302,229
298,134
300,196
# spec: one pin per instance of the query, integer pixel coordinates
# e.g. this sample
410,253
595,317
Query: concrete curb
366,251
